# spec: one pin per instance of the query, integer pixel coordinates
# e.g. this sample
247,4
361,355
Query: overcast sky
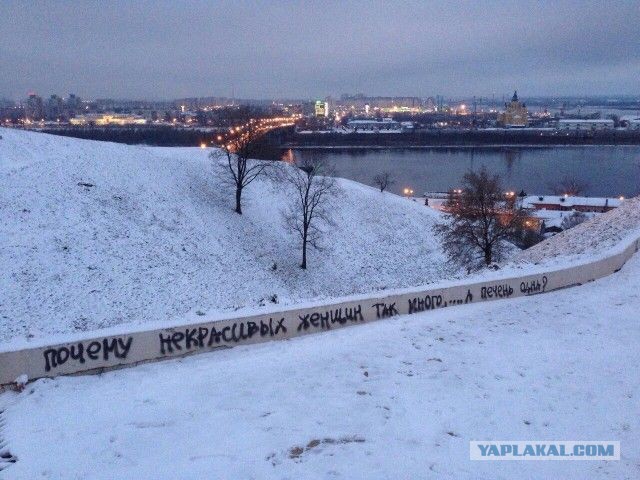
307,49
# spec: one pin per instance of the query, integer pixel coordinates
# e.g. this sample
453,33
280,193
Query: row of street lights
263,126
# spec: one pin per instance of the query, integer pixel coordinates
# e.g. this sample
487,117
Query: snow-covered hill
98,234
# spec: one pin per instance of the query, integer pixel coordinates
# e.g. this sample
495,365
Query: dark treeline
166,136
277,139
157,136
465,138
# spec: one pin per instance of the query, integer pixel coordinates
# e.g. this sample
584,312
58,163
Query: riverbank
498,146
462,138
285,138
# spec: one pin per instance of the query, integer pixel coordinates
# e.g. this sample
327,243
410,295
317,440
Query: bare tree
479,221
233,160
383,180
569,186
312,190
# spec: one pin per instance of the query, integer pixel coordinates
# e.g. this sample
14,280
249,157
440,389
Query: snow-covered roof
384,121
586,120
532,200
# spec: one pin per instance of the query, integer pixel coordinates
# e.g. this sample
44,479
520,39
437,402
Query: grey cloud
163,49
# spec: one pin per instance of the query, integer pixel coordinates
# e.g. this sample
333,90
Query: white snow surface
399,398
156,239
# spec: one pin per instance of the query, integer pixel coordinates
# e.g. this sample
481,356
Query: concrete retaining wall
96,354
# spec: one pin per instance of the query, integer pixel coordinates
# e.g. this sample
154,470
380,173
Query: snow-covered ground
400,398
98,234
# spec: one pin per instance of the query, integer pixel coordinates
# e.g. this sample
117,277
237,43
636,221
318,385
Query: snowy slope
400,398
155,239
596,235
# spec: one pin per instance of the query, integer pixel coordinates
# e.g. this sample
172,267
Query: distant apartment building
321,109
515,114
54,108
73,105
585,124
6,103
8,110
34,108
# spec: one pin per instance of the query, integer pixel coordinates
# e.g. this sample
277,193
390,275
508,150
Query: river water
605,170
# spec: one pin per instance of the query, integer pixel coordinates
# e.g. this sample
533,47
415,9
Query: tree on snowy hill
383,180
312,191
479,221
233,161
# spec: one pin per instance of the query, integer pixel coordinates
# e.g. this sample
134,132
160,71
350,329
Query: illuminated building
566,203
108,119
515,114
321,109
362,103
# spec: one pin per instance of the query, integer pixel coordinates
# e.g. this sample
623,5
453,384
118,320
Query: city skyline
158,50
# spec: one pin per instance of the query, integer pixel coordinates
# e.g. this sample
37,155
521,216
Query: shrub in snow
576,218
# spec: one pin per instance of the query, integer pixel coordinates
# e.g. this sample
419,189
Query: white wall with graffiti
129,348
